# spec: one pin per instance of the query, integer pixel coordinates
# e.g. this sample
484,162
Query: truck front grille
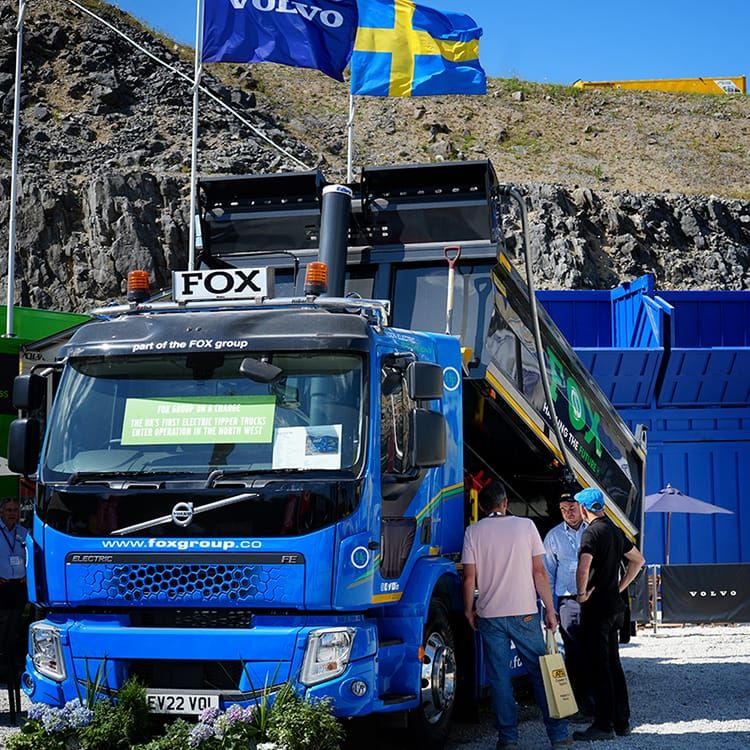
187,675
227,619
220,583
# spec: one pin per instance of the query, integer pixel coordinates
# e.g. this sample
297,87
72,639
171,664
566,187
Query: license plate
164,702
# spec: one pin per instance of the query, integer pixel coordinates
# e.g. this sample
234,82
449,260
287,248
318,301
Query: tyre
429,724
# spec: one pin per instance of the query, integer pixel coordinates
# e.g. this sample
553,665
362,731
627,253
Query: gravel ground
6,729
689,688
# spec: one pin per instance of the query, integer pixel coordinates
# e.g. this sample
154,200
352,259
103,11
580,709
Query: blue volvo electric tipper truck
264,480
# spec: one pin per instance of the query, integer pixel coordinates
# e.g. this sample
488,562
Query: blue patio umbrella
671,500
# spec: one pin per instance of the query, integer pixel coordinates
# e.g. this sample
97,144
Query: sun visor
222,331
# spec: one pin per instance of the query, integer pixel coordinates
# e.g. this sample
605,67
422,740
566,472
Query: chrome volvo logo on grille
182,514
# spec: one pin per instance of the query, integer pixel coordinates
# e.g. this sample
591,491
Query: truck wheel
429,724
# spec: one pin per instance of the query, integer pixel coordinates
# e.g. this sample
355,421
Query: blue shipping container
678,363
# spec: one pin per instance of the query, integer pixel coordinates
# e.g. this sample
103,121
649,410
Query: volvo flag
406,49
304,34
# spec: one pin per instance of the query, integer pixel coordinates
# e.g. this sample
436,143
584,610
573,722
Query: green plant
299,724
33,736
233,729
119,724
516,84
470,141
526,142
262,709
52,728
93,687
176,737
125,723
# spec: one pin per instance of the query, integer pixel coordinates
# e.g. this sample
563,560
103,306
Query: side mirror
425,381
29,392
24,446
427,438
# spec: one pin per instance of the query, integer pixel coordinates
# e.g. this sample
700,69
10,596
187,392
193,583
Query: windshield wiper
218,474
83,477
186,513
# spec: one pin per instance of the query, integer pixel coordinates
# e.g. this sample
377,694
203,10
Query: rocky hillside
618,183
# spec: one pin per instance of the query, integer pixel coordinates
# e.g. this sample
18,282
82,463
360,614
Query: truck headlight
46,651
327,654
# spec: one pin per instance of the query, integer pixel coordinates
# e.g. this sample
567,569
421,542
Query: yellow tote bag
560,699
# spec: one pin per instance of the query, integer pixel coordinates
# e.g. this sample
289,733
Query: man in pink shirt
503,558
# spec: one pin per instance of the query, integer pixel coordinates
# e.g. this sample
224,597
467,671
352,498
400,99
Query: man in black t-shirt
603,547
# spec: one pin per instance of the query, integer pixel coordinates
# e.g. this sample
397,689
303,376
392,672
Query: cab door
412,456
399,485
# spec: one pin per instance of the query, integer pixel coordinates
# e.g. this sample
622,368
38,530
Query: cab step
391,699
390,642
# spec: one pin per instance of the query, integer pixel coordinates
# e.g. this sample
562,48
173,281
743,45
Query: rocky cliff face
582,239
105,156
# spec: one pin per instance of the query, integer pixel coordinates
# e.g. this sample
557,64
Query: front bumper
238,664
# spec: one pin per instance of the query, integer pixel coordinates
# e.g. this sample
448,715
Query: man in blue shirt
12,576
561,547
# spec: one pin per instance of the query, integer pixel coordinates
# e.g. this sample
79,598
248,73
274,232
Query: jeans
526,633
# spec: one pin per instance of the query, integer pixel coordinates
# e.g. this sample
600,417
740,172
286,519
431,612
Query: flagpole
196,104
350,142
11,297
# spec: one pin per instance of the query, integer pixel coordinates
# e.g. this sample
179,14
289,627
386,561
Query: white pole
9,331
350,143
196,103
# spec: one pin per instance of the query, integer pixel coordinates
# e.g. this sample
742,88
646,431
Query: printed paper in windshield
220,419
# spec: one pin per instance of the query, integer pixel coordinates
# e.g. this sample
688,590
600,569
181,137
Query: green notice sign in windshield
220,419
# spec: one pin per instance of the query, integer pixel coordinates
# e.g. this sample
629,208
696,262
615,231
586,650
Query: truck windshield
196,413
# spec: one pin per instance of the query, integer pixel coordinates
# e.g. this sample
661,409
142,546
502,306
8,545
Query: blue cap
591,499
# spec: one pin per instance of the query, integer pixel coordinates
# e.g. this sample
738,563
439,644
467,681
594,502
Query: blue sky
559,42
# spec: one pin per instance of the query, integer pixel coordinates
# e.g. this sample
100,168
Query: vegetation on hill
619,183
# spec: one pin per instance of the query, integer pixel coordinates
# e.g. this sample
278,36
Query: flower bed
125,723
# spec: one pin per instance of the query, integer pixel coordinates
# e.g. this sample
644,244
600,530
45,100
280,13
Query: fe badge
360,557
451,378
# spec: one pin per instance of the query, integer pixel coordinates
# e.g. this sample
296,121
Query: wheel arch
439,578
431,576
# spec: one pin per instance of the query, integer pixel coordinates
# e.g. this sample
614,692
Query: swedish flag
405,49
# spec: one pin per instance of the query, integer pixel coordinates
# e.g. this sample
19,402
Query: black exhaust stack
334,236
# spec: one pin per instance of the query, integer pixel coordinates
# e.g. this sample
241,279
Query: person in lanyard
503,558
561,547
12,575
